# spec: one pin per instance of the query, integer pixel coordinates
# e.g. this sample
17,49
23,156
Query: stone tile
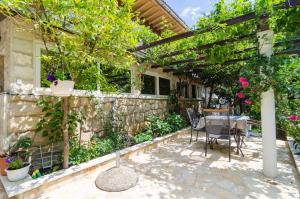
178,169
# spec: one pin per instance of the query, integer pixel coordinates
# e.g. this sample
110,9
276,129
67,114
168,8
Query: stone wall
128,112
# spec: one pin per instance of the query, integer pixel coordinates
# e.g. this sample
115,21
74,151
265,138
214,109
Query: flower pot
62,88
3,165
18,174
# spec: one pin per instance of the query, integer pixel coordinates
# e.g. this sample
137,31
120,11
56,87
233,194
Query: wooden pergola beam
229,62
168,67
208,46
229,22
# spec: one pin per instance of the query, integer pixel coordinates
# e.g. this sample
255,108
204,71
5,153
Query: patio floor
180,170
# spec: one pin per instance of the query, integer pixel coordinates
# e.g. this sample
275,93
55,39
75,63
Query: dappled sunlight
178,169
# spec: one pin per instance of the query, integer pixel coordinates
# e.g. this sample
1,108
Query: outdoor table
238,122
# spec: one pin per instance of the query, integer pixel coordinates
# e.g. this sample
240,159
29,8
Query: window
194,91
200,92
148,84
164,86
182,89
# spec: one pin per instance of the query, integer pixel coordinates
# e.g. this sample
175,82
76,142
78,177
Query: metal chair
194,123
217,130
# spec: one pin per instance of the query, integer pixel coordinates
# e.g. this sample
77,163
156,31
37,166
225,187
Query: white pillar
135,81
268,120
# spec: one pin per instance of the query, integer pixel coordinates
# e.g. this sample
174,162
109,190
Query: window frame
159,93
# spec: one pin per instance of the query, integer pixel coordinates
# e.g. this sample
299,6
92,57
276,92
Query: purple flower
51,78
8,160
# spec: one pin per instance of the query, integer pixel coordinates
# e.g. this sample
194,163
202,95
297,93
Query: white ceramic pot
62,88
18,174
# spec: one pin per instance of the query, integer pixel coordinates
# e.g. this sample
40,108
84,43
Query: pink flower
240,95
245,84
248,101
243,79
293,118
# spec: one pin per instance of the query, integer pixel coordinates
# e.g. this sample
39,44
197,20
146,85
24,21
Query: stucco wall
5,50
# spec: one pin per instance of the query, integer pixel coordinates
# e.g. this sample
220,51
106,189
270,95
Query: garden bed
295,157
31,187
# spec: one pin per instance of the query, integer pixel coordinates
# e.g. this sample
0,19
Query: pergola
265,47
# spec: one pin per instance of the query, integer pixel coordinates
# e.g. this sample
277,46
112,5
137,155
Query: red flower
240,95
248,101
243,79
293,118
245,84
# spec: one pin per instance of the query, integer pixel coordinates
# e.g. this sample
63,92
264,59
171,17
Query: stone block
22,124
85,101
24,108
87,125
22,59
107,107
86,136
22,45
27,98
74,102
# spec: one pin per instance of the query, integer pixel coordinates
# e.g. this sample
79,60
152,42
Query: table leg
238,142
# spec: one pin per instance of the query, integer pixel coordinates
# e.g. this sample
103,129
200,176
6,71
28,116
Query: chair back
217,121
192,116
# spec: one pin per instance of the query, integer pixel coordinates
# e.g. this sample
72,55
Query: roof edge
172,13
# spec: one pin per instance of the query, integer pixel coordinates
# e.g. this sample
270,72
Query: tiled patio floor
179,170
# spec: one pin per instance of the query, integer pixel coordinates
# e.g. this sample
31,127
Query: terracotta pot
3,166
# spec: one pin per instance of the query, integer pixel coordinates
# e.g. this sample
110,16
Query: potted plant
18,153
62,85
3,163
17,169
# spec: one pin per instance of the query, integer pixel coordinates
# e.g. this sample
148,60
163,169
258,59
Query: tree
82,39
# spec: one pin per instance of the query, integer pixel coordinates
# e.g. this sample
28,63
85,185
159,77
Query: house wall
20,114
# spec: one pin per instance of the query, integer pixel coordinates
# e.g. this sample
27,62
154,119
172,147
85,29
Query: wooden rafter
229,22
211,45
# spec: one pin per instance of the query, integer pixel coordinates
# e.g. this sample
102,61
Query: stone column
3,122
268,121
135,81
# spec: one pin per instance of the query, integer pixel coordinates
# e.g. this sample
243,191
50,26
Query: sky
190,10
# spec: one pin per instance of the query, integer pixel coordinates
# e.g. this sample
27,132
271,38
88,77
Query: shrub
157,126
175,121
142,137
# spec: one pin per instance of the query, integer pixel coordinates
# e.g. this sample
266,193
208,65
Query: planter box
62,88
31,188
17,174
295,157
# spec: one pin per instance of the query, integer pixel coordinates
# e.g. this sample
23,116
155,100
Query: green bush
157,127
142,137
176,122
118,139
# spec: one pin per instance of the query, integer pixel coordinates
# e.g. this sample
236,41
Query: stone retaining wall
131,113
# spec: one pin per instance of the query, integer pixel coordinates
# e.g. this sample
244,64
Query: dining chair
194,123
217,127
